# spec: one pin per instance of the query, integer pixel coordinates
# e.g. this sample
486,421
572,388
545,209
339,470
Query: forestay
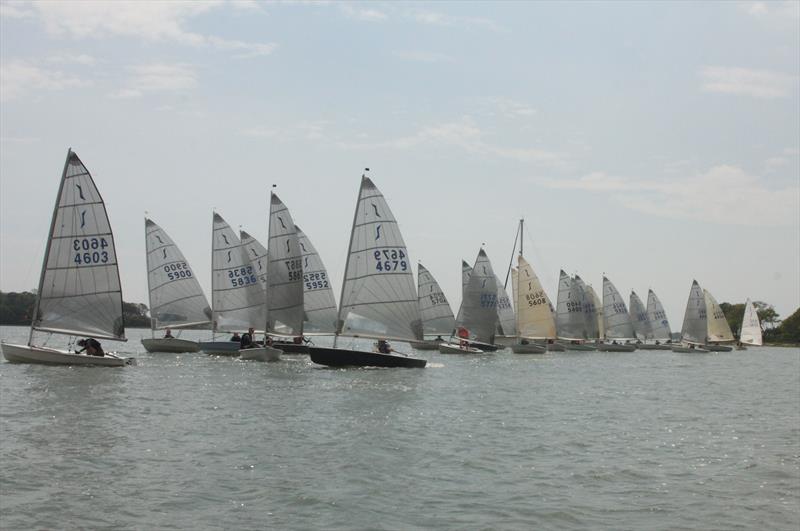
437,317
657,317
751,326
379,295
694,319
589,309
617,320
79,288
237,296
718,328
176,298
478,313
570,323
507,321
641,324
534,309
318,302
285,272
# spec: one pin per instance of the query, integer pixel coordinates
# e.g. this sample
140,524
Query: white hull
220,348
451,348
425,345
260,354
528,349
170,344
51,356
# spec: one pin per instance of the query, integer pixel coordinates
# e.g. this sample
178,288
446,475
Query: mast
517,236
47,245
149,287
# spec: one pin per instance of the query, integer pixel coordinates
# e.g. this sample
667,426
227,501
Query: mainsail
534,310
478,313
598,307
507,322
617,320
285,272
379,295
694,320
79,288
657,317
237,296
638,314
318,301
570,323
718,328
751,326
437,317
256,254
589,309
466,271
176,298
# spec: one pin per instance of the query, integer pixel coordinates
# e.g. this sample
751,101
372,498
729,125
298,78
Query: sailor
235,337
384,347
246,340
168,333
91,346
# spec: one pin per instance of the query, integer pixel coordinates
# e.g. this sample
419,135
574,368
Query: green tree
17,309
733,314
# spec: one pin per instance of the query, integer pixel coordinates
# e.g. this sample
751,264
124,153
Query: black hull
486,347
291,348
335,357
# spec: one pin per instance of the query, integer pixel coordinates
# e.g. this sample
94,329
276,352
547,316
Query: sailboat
284,300
570,316
176,298
379,296
318,302
437,317
237,295
477,320
693,331
256,254
534,311
589,318
599,314
718,329
506,332
639,320
750,334
618,326
659,330
79,286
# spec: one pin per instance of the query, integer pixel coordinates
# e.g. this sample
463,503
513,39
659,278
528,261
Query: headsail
176,298
318,301
751,326
237,296
570,323
534,309
478,313
718,328
506,320
79,288
285,272
641,324
657,317
694,320
437,317
617,320
379,295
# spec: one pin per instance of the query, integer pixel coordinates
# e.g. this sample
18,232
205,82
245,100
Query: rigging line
513,251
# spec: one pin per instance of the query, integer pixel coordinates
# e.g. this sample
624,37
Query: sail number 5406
90,251
389,260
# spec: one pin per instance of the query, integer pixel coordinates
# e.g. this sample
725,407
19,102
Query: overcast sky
654,142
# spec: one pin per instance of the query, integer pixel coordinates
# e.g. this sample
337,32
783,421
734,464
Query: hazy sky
655,142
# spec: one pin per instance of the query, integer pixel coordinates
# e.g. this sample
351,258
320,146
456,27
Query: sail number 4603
388,260
90,251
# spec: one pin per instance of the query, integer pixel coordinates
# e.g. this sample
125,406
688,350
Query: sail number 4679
388,260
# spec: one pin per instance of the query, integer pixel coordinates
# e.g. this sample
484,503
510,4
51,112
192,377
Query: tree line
17,309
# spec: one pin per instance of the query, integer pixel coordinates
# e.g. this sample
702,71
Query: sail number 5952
90,251
389,260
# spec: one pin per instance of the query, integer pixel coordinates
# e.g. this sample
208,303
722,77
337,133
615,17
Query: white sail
237,295
257,256
534,309
751,326
694,319
318,302
515,292
589,309
598,307
478,312
638,314
718,328
437,317
570,322
466,271
507,321
176,298
284,272
79,288
617,320
657,317
379,295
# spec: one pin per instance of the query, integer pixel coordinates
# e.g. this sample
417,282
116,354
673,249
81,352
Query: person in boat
235,337
524,342
267,340
384,347
439,339
246,341
168,334
91,346
658,342
463,336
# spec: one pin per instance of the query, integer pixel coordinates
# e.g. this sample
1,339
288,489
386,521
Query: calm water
648,440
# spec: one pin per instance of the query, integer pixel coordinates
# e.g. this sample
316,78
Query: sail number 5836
389,260
90,251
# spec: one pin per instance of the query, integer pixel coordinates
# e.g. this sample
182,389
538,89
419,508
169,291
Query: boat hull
260,354
651,346
334,357
425,345
579,346
689,350
51,356
718,348
220,348
529,349
607,347
291,348
170,344
452,348
486,347
555,347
